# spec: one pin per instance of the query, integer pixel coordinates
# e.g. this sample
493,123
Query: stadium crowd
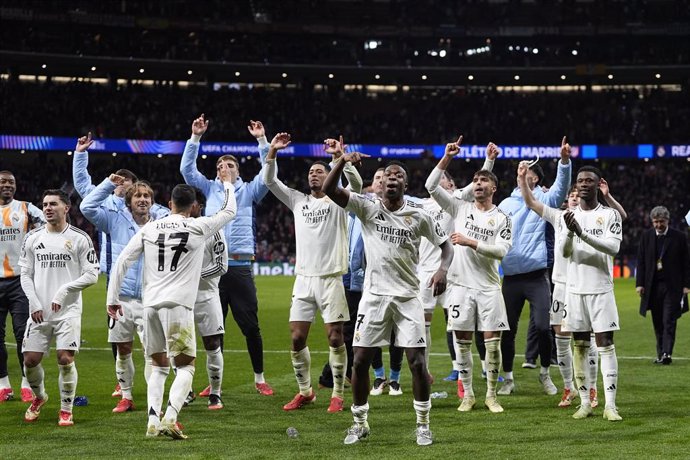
415,116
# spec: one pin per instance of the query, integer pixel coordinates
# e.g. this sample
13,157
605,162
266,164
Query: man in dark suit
663,279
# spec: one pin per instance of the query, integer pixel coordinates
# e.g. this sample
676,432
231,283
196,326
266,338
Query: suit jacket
676,263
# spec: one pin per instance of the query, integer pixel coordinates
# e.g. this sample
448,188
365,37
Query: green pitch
652,400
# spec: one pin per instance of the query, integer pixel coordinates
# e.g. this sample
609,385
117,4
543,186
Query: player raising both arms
58,261
392,228
173,249
322,257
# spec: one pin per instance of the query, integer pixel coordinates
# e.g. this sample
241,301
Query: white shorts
557,304
590,312
379,316
323,293
169,330
131,323
67,333
473,309
426,294
208,316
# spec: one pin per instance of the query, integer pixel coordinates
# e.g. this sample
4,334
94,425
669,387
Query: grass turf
651,400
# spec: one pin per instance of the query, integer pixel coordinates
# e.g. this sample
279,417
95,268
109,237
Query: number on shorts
179,249
360,319
455,311
555,306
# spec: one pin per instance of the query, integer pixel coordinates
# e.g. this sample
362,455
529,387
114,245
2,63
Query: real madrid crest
68,245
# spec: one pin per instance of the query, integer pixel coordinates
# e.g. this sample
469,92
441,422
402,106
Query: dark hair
134,188
127,174
325,165
591,169
183,196
536,169
447,175
61,194
228,158
400,165
200,197
7,173
488,174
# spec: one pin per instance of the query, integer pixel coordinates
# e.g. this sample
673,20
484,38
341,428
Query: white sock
259,378
456,363
148,364
5,382
508,375
581,348
493,364
124,370
180,388
422,409
592,364
465,362
25,383
67,382
301,364
337,359
154,392
565,360
427,330
35,377
609,373
214,368
359,413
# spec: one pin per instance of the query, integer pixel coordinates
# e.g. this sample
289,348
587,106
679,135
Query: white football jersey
214,266
560,262
173,249
391,244
18,217
320,231
489,228
590,271
53,260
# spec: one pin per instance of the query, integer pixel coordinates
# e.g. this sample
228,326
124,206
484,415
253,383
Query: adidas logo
299,375
561,363
470,217
40,246
613,324
121,380
337,376
380,216
305,207
67,400
421,340
611,388
591,362
340,316
73,345
215,377
464,372
502,324
152,412
220,329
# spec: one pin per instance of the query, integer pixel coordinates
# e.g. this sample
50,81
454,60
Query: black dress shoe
666,359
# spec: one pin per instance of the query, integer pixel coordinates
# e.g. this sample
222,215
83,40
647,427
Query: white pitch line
324,352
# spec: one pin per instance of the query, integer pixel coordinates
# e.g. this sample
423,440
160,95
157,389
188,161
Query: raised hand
117,180
572,223
453,148
565,150
491,151
333,147
354,157
256,129
280,141
522,169
200,125
83,143
604,187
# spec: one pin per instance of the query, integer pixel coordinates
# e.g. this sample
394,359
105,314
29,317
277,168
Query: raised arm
337,149
559,190
80,162
212,224
610,200
257,187
219,263
331,187
440,195
188,168
531,202
91,206
284,193
467,192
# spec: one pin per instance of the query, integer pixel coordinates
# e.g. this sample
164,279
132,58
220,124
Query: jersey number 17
179,249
